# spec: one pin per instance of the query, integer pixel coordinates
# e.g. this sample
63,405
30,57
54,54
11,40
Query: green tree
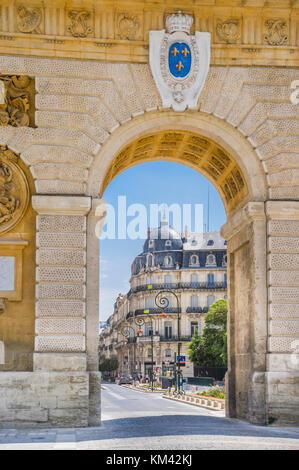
108,364
210,348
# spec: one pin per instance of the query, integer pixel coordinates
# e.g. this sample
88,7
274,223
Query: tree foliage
108,365
210,348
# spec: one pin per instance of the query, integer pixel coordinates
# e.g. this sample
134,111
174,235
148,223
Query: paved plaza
137,420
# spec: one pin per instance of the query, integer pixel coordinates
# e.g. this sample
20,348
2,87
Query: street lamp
140,322
162,302
126,333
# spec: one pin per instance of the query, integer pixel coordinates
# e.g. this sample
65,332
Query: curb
207,403
137,389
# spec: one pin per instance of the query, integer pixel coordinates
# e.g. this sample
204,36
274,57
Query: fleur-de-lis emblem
179,59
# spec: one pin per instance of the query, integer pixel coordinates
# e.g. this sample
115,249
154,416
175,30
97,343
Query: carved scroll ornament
16,100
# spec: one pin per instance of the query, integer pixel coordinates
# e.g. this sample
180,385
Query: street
138,420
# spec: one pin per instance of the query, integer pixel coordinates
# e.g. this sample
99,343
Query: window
148,329
210,280
167,281
225,278
151,243
149,280
210,300
224,260
194,260
210,243
194,280
149,352
211,260
194,242
194,301
168,261
150,260
167,352
168,244
194,327
168,329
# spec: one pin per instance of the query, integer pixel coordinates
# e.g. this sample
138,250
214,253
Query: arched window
194,260
224,260
211,260
151,243
168,244
168,261
210,243
150,260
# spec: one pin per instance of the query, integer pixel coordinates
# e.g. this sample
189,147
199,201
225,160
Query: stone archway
218,151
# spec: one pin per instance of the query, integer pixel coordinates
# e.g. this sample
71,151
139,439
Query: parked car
125,379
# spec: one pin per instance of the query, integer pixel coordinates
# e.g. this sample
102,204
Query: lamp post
140,322
126,332
162,302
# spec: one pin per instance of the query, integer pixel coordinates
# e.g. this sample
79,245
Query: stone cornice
253,32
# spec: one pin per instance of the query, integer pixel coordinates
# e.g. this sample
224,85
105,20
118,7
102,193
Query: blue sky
149,183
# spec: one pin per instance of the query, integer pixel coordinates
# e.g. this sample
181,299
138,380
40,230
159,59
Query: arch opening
200,153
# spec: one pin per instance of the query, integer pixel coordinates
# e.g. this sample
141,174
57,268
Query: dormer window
150,260
210,243
224,260
194,261
168,244
211,260
151,243
194,242
168,261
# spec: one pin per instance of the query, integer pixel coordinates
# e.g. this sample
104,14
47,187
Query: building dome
163,238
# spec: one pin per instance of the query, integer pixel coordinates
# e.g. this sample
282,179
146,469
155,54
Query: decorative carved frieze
228,31
80,23
276,31
128,26
29,19
17,100
14,190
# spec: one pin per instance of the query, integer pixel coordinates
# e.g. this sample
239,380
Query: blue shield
179,59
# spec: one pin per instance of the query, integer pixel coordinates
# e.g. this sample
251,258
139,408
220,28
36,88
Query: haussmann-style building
192,267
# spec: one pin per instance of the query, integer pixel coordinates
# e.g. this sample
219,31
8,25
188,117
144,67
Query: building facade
194,268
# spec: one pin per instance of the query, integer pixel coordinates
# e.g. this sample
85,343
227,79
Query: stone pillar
60,342
245,233
283,295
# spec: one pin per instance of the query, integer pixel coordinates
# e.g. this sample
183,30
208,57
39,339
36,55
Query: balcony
197,309
157,311
179,285
175,338
147,338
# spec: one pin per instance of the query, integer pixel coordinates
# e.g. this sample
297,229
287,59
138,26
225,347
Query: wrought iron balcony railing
178,285
151,311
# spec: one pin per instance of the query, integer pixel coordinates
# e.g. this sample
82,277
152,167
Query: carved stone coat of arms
179,62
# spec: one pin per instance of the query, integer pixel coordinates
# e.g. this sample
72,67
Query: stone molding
61,205
243,217
265,34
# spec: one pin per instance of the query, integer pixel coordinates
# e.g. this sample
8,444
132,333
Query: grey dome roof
158,237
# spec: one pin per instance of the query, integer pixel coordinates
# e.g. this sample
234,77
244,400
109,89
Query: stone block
61,362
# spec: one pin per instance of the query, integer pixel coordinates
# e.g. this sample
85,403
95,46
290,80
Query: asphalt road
137,420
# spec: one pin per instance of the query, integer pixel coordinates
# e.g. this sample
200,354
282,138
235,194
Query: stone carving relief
16,100
128,26
80,27
14,190
276,32
29,19
228,31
